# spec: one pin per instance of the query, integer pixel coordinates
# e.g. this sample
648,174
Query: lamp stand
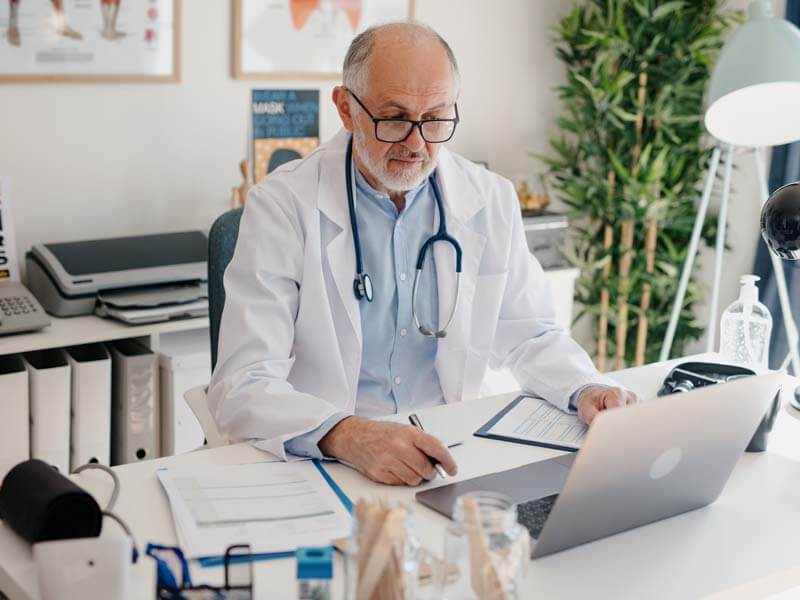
790,327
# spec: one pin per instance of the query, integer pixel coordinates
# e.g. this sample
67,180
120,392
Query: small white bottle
745,329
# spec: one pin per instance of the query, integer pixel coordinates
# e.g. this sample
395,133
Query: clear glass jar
405,552
486,552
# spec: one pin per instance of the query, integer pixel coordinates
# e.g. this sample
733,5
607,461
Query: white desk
750,535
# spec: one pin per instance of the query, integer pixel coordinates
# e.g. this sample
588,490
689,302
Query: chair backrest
197,399
221,244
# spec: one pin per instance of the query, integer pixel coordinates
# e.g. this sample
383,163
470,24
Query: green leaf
666,9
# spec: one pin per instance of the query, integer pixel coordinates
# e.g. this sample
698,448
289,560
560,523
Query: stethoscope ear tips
427,332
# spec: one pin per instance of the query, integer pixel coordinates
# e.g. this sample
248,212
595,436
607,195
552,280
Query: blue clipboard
484,430
218,561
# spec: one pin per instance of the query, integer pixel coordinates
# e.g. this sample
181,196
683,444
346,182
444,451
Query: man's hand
387,452
595,398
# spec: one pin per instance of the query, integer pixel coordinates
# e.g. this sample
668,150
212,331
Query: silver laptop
637,465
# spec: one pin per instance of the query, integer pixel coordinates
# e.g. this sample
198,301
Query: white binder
135,419
90,366
14,413
49,384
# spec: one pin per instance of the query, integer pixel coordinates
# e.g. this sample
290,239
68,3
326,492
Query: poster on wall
9,266
285,127
303,38
89,40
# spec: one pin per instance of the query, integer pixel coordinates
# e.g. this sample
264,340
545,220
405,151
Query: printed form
535,420
275,507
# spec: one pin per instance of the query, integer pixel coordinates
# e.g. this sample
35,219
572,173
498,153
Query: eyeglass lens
432,131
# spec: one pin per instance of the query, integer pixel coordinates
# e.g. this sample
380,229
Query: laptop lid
655,460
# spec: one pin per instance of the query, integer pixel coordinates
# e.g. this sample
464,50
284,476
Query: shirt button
402,276
397,380
403,332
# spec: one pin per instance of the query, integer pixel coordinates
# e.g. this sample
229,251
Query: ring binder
134,402
49,385
90,366
15,424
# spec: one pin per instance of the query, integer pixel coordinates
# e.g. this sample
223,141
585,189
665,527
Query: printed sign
285,127
9,267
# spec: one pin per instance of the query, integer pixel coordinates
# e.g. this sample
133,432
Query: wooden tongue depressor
486,581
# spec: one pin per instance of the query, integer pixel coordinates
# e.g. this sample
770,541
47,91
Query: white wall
107,160
102,160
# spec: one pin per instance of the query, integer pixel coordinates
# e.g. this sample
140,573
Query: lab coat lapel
461,202
339,241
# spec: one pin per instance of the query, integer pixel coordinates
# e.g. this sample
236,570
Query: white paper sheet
536,420
274,507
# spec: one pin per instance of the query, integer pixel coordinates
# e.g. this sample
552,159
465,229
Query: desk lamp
751,102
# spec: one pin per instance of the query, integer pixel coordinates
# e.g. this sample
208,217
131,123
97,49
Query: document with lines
533,420
274,507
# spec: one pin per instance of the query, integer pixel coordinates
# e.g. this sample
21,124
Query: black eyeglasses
395,130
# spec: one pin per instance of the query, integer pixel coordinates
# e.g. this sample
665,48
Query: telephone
19,309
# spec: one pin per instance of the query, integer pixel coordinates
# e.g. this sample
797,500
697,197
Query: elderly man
325,327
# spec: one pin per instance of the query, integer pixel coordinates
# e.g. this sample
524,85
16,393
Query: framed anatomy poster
89,40
303,38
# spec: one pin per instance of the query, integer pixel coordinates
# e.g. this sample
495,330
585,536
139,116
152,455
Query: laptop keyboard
533,514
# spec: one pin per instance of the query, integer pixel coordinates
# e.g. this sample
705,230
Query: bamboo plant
629,159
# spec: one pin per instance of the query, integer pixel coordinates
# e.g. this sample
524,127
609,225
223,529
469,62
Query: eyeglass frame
418,124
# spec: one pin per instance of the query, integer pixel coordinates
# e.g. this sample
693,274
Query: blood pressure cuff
40,504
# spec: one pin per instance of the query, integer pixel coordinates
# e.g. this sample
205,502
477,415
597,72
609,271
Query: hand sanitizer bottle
745,329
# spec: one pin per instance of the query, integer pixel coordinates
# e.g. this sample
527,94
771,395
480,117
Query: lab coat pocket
486,303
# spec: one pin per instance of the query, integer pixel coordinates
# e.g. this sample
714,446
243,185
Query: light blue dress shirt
397,365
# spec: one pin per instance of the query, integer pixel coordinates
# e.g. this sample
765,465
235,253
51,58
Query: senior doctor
310,350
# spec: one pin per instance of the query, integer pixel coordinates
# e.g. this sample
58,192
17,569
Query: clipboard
485,430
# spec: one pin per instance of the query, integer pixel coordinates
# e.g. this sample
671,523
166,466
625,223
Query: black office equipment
40,504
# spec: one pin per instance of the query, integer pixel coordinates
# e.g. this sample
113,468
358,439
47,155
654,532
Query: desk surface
742,546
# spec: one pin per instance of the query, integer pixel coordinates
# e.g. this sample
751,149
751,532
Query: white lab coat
290,338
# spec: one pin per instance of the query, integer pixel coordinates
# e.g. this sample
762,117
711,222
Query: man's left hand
596,398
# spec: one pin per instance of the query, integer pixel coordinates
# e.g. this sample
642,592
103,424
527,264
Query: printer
138,279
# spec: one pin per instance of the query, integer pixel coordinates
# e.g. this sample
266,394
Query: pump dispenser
745,328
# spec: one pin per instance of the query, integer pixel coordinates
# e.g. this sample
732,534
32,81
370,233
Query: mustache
404,154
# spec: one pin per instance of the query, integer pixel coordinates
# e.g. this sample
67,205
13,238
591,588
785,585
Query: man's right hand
387,452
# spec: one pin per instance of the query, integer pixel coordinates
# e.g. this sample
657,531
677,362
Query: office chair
221,244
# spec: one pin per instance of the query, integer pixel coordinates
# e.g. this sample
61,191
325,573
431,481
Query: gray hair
354,72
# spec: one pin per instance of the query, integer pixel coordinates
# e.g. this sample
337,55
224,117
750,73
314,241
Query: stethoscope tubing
362,284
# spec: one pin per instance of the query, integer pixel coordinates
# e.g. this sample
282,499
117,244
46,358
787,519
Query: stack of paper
274,507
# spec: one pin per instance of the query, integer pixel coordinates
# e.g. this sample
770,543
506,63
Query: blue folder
218,561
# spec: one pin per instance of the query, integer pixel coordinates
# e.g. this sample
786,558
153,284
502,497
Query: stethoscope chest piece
362,286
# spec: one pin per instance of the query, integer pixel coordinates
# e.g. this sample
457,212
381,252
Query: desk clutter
109,404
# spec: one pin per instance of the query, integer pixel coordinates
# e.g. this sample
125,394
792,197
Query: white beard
394,182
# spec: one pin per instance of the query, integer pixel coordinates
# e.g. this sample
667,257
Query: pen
414,420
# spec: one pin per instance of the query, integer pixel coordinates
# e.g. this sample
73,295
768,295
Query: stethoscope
362,285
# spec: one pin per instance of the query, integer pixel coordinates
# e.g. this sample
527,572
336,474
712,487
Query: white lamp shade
754,92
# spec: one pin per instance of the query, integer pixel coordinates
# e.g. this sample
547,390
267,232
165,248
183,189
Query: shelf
87,329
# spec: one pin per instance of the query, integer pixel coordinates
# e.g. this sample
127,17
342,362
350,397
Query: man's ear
341,98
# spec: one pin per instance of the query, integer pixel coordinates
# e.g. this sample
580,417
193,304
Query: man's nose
414,142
